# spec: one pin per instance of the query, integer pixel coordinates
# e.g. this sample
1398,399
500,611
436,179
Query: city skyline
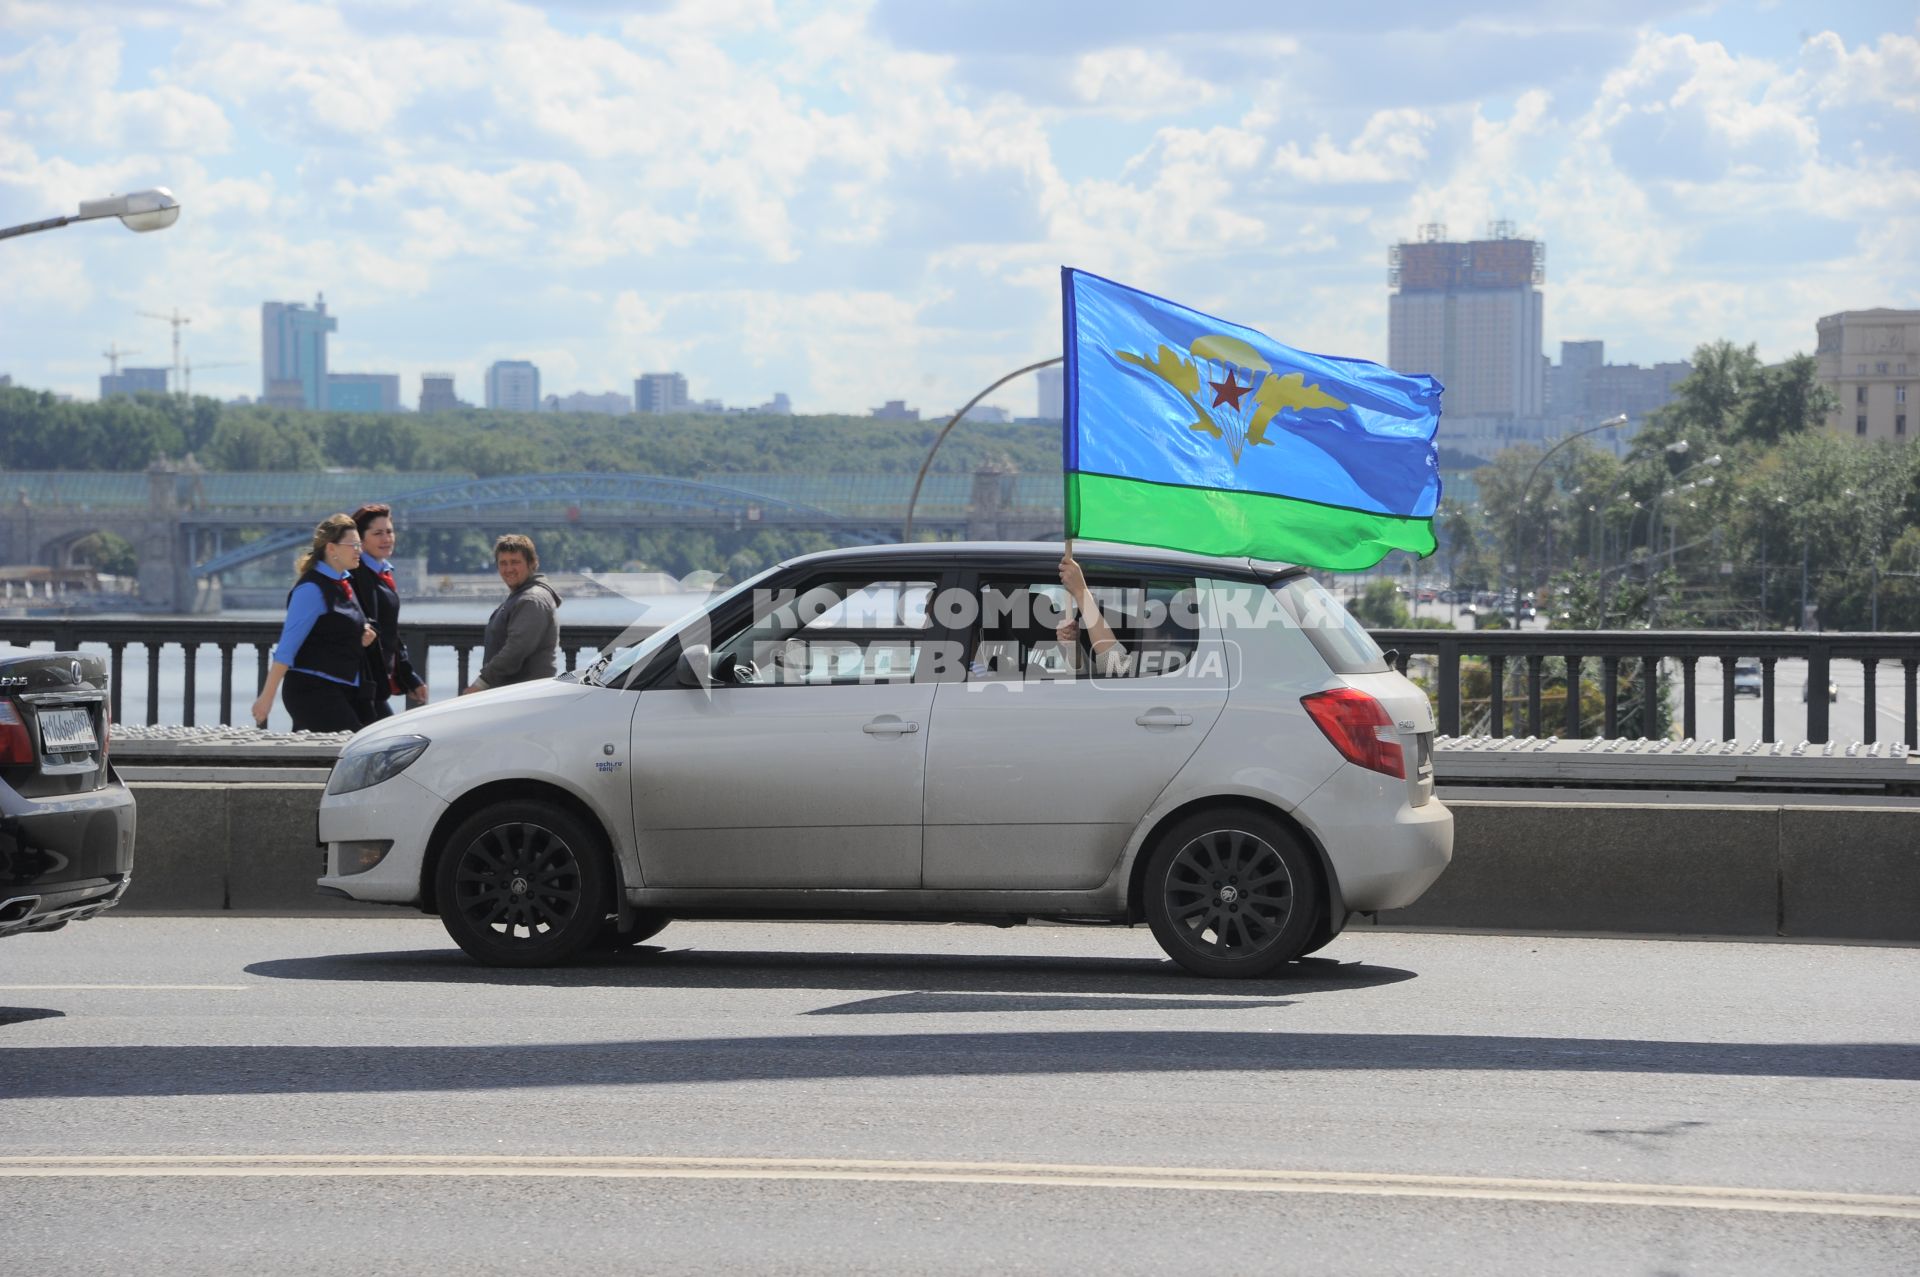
858,202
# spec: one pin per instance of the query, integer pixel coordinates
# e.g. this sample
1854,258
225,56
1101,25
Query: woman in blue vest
319,661
389,667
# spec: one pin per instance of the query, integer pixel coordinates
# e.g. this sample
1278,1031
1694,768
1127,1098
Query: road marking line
1201,1179
79,988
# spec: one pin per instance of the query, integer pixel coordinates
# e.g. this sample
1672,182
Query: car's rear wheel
523,884
1232,893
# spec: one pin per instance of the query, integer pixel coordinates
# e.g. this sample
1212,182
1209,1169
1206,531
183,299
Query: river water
441,664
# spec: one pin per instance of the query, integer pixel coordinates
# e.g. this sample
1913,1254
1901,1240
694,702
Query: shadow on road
948,1003
20,1015
857,972
133,1071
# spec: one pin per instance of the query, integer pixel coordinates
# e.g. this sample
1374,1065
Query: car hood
500,703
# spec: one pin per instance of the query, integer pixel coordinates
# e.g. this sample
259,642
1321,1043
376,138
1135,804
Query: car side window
844,631
1154,619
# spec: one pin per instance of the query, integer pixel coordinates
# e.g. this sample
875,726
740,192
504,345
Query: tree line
1732,504
39,431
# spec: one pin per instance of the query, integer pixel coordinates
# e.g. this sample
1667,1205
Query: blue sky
870,200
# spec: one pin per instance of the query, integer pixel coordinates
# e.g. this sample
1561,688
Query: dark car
66,821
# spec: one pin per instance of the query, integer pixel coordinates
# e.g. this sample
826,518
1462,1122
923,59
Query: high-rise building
660,392
1052,403
363,392
613,403
436,393
293,353
1567,380
513,385
1470,314
779,405
895,410
1870,359
134,381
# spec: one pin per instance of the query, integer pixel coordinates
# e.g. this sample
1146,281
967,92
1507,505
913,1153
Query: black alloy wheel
1232,894
523,884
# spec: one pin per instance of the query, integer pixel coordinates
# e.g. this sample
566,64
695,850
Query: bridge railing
1509,679
1523,668
173,649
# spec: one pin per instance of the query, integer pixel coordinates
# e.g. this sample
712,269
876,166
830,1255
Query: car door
803,764
1036,775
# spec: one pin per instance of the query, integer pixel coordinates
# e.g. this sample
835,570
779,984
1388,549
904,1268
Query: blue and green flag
1189,432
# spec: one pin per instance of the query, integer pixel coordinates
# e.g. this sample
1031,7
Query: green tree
1380,608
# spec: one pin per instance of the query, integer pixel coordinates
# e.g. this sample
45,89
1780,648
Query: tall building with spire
293,353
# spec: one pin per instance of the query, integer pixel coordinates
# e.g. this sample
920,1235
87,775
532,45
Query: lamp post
906,530
150,210
1653,528
1526,495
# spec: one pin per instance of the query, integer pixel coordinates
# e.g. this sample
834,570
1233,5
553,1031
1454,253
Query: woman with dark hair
319,662
389,667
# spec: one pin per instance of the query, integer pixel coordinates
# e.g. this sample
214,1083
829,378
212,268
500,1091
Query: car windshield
618,664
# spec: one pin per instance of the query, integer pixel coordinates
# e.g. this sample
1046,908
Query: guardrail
1574,648
190,635
1525,650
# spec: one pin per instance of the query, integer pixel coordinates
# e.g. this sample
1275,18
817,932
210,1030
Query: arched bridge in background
191,526
587,500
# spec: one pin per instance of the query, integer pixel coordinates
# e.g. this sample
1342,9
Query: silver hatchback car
900,732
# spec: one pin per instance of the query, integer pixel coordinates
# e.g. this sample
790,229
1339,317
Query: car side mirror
695,667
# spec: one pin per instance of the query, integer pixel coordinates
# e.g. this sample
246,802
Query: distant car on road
896,731
1746,678
1833,691
66,821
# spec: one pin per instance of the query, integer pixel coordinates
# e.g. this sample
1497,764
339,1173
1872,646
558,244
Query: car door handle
1164,718
890,727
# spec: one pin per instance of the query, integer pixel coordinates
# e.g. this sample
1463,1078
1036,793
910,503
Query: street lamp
151,210
906,530
1526,493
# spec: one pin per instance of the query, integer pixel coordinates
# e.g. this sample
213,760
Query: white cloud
1138,83
1391,148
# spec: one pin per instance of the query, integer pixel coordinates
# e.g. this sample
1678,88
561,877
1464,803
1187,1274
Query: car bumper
1381,862
63,859
398,811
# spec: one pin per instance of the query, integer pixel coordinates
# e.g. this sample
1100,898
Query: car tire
523,884
647,923
1200,898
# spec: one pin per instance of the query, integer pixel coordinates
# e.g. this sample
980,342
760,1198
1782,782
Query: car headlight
373,763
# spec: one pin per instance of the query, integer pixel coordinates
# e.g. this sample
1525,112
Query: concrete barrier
1749,868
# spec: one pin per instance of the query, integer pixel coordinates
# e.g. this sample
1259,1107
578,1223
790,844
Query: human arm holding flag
1109,653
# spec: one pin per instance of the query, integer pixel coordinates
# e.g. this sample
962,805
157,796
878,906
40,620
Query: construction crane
225,363
113,355
178,321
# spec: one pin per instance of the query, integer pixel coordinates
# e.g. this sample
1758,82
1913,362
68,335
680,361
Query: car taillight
1360,728
16,746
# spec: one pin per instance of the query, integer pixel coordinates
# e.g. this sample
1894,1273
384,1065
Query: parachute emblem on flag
1231,389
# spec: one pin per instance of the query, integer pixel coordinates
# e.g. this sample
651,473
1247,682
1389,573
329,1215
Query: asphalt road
292,1096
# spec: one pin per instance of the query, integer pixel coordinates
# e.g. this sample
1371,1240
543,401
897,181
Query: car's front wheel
523,884
1232,893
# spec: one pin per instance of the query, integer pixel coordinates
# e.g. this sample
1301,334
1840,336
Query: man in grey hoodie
524,630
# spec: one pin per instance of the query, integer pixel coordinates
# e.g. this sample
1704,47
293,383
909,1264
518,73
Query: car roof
947,552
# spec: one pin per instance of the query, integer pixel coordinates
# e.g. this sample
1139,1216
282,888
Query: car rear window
1341,641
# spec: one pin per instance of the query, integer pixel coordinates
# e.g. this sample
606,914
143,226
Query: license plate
66,730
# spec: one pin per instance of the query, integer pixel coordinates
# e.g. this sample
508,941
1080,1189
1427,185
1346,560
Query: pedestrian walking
390,669
524,630
320,660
